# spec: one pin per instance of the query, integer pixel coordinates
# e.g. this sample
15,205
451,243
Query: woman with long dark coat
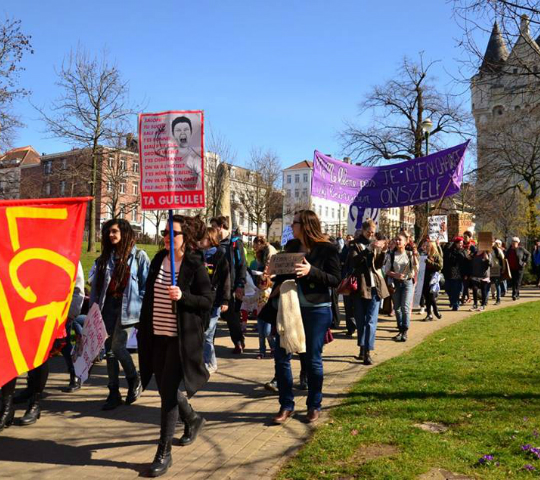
171,344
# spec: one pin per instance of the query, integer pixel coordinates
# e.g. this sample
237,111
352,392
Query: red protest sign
171,150
40,245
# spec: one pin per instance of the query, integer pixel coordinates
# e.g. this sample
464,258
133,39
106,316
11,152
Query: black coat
192,308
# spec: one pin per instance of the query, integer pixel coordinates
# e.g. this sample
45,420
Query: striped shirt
164,320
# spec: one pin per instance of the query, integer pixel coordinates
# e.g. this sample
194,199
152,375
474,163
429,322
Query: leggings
168,370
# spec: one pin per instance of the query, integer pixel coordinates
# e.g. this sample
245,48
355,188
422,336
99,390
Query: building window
326,212
123,164
110,161
135,188
514,71
320,210
135,167
297,193
47,188
241,220
333,216
122,187
121,214
304,193
47,167
64,163
305,177
297,178
288,193
109,186
62,187
289,178
134,215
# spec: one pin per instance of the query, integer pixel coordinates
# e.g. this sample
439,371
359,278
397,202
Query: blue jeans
366,313
317,321
265,332
116,351
209,351
453,287
497,282
402,299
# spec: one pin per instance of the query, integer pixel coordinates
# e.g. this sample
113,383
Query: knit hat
515,239
458,239
498,242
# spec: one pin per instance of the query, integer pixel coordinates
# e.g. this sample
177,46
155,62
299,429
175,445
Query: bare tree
261,198
511,152
219,156
92,105
398,108
155,217
14,44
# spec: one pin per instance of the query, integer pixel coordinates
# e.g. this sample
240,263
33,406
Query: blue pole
171,256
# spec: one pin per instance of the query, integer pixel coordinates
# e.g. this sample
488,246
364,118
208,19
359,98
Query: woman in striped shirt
171,334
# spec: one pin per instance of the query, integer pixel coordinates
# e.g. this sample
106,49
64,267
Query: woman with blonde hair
434,264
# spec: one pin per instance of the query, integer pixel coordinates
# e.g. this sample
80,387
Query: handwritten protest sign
283,263
438,228
92,341
485,241
171,150
408,183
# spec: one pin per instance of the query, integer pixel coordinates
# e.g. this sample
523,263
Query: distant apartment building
10,170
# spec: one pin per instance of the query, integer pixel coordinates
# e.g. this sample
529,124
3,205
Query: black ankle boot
135,389
74,383
113,400
367,358
33,412
162,460
192,426
7,413
303,382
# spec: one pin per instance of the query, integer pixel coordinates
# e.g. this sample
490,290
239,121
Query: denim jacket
132,298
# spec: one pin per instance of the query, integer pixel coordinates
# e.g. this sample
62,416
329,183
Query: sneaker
260,356
211,368
271,386
474,308
481,308
398,337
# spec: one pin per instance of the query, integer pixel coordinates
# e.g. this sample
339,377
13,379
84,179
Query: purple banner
407,183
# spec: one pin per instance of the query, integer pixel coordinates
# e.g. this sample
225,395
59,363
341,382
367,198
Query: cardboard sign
171,151
92,341
485,241
438,228
283,263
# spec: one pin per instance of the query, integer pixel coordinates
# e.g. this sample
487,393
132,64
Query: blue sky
276,74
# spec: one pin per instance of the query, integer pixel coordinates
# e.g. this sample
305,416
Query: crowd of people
176,321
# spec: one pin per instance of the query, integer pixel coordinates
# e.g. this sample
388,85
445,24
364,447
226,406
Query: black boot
367,358
74,383
113,400
303,382
135,389
33,412
22,396
192,426
162,460
7,413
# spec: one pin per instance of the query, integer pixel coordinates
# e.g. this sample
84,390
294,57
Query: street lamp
427,126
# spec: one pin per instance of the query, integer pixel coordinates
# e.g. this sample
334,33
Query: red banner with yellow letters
40,246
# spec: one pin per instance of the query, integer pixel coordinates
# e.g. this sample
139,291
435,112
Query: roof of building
21,155
496,52
300,165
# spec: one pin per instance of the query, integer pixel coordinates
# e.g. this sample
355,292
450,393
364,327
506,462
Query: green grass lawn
479,378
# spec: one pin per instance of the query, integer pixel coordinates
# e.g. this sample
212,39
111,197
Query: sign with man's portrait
171,150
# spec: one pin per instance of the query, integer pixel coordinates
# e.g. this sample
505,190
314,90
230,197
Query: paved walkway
76,439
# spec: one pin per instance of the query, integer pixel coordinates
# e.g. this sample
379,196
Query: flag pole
171,256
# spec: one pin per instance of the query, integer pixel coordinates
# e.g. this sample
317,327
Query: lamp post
427,126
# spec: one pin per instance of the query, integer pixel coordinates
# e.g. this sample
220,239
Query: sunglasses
165,233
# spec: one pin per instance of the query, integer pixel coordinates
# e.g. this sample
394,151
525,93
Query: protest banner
485,241
92,341
438,228
407,183
171,151
40,245
286,235
419,284
283,263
